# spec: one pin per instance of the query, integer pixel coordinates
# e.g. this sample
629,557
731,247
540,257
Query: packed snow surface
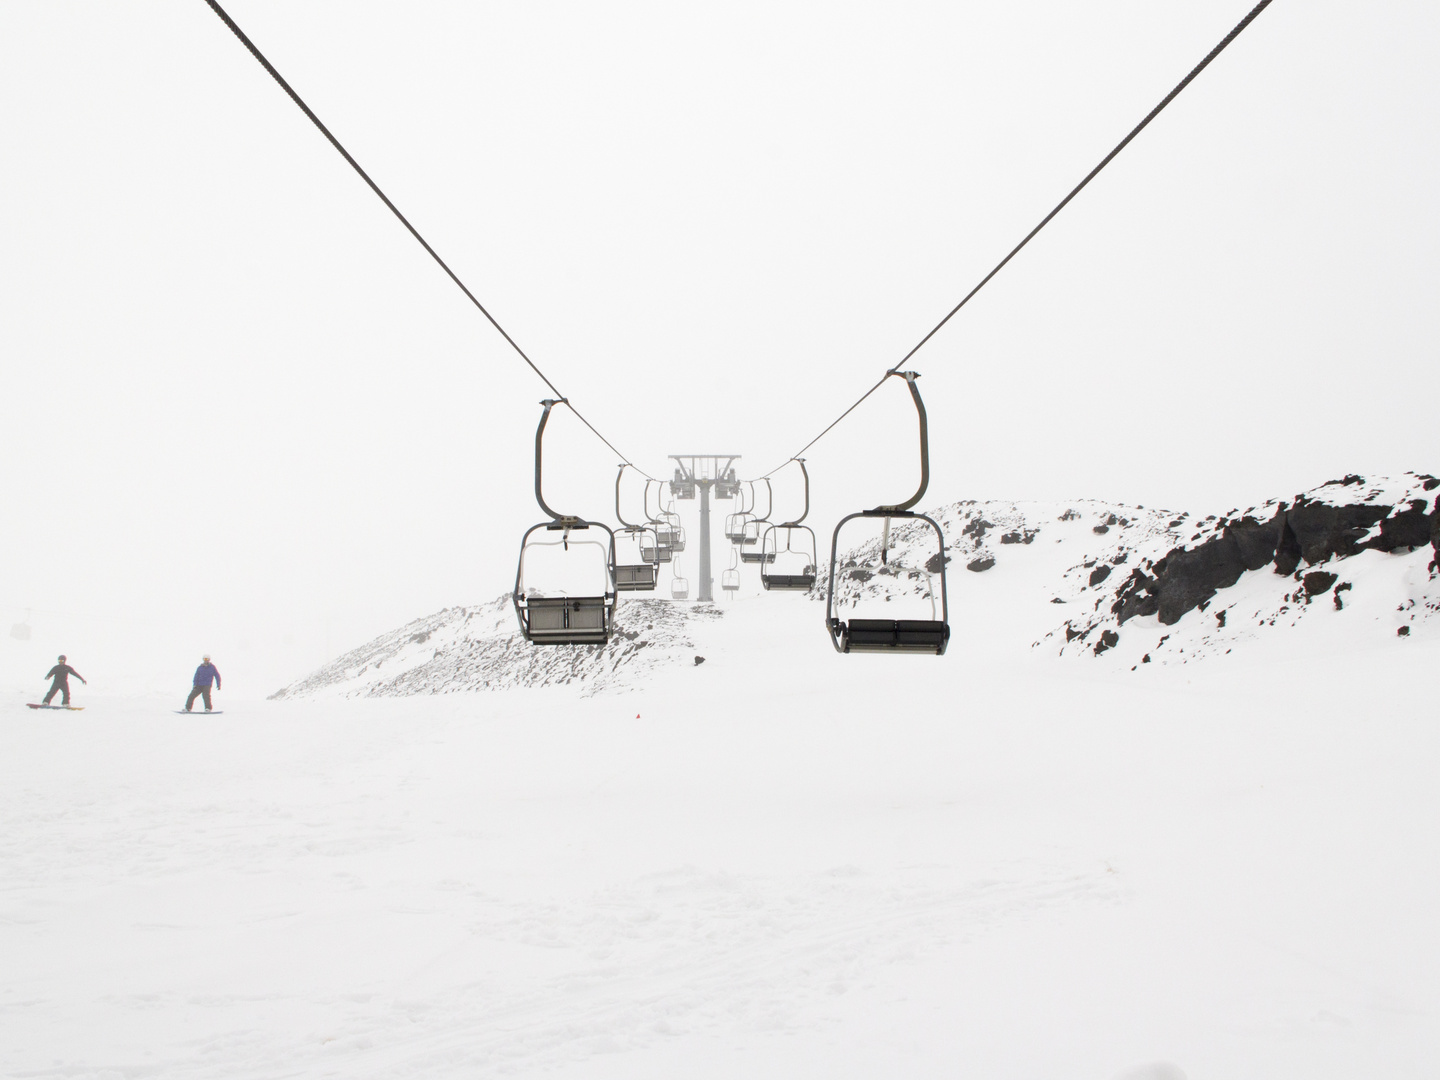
781,862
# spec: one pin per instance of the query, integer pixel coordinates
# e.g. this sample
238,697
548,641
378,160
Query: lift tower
699,473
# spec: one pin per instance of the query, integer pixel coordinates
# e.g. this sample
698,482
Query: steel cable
1216,51
274,74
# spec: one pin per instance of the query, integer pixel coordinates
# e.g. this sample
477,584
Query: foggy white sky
244,412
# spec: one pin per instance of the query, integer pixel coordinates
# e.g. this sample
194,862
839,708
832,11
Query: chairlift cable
255,52
1216,51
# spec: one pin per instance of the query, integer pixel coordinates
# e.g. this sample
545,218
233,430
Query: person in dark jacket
60,681
206,675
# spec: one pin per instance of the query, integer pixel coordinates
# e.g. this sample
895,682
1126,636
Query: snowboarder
60,681
205,675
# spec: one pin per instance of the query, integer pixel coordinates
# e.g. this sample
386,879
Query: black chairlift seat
757,556
793,582
890,635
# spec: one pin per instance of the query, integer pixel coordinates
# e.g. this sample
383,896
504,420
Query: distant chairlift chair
730,578
659,535
753,530
631,576
894,635
798,575
585,619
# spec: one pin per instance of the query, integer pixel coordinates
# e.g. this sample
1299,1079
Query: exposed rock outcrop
1313,528
1293,538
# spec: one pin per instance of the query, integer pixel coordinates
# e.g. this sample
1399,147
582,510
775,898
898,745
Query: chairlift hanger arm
805,474
618,515
910,377
549,404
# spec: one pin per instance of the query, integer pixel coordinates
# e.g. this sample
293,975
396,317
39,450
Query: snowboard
199,712
68,708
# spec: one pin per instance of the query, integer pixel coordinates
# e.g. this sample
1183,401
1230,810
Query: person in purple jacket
206,675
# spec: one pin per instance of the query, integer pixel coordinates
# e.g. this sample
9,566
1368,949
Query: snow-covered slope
779,863
1129,584
479,648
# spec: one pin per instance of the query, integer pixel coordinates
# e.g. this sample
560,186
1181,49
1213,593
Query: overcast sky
245,412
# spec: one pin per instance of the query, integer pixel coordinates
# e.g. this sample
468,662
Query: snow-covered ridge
1129,584
480,648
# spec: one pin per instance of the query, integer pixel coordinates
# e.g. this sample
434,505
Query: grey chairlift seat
679,586
730,577
926,636
584,619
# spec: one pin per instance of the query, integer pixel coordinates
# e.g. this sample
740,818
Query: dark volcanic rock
1138,596
980,565
976,528
1435,533
1287,549
1187,578
1323,530
936,562
1311,530
1408,528
1256,540
1108,640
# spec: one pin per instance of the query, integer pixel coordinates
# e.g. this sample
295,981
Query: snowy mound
479,648
1364,549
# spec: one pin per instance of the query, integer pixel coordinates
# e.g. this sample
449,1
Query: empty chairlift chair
928,636
671,532
632,574
730,578
654,545
795,563
679,586
751,550
735,523
565,580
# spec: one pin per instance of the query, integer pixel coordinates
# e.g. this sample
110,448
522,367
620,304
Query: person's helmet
206,658
62,659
